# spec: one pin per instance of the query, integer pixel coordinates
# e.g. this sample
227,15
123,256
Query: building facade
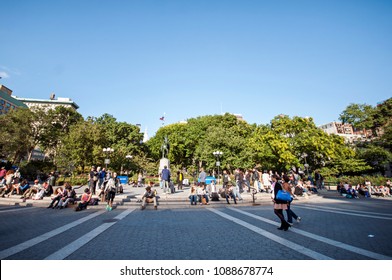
344,130
48,104
7,101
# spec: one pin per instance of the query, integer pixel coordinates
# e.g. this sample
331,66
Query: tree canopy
285,143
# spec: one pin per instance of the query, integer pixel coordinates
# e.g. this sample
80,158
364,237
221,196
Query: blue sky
139,59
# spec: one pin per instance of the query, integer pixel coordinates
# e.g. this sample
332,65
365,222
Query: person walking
226,178
266,177
256,179
180,179
110,191
92,180
279,205
290,213
319,179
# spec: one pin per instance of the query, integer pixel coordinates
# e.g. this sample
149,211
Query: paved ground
331,228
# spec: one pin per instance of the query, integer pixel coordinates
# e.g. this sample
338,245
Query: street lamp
107,152
217,154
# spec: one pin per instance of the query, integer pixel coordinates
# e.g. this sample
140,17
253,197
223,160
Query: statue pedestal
164,162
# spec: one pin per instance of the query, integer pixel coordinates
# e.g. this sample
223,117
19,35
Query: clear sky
138,59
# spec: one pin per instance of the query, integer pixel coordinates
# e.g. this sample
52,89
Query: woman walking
279,205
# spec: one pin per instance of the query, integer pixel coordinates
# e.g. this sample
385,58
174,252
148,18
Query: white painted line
30,243
77,244
293,246
320,238
345,212
23,208
342,209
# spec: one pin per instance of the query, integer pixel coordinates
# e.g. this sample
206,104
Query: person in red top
2,172
86,197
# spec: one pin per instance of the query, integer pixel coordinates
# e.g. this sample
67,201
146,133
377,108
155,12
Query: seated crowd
365,190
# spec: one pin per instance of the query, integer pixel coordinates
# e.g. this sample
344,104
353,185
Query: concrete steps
133,200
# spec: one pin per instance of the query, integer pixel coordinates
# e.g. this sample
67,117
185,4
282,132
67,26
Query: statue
165,153
165,147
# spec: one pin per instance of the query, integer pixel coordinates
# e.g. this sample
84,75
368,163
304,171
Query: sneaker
299,219
110,209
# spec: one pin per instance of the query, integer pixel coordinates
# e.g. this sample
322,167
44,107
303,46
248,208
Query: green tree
125,139
382,117
192,143
360,116
17,138
52,126
375,156
82,146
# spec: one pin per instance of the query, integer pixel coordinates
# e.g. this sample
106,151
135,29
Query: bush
73,180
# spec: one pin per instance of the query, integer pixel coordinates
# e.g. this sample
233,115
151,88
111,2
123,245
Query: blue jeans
193,199
166,186
290,214
236,193
228,196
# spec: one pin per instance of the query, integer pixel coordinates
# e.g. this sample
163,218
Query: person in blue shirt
24,186
165,176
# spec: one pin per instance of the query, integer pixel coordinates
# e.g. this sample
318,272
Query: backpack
111,186
215,196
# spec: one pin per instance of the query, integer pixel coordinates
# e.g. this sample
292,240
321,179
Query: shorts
280,206
110,196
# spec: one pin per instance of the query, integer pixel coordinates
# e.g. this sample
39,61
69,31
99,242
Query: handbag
284,196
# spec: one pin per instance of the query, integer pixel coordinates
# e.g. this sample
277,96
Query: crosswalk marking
77,244
17,209
320,238
300,249
30,243
347,212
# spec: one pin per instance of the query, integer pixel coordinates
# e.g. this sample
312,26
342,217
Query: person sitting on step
149,197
